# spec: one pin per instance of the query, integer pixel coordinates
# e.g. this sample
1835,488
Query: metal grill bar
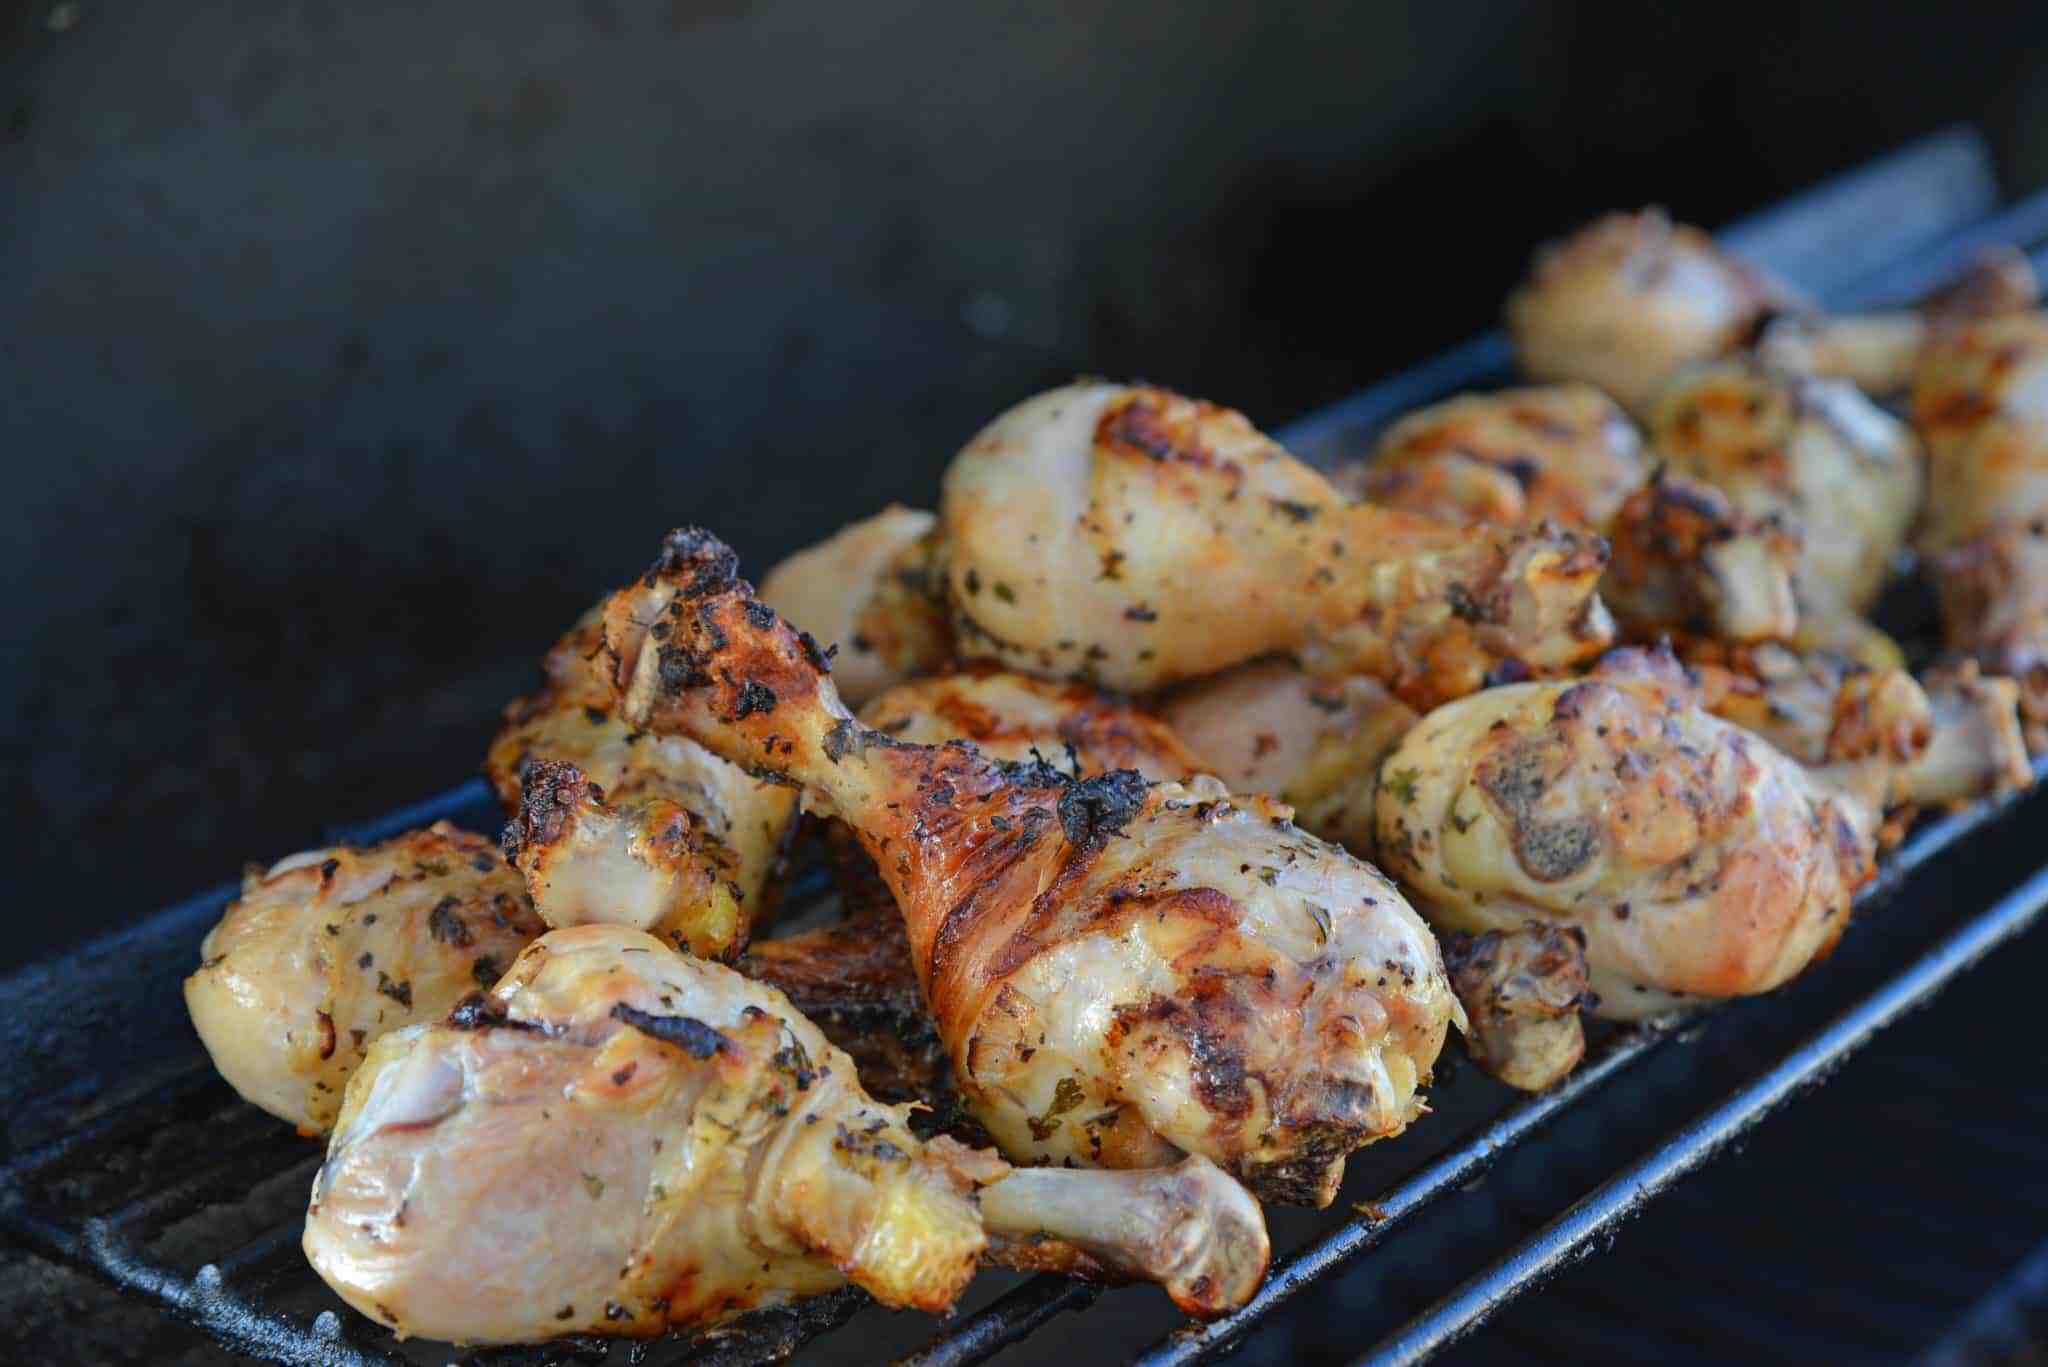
1878,236
1571,1235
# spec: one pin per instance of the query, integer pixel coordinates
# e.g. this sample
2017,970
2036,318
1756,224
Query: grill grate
125,1156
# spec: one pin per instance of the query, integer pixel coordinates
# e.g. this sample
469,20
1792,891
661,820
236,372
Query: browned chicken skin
1522,990
706,835
1122,972
1138,538
1698,860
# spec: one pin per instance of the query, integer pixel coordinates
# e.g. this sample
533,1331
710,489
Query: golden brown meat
1698,860
872,590
716,832
1994,610
1070,726
327,950
620,1140
1522,991
1137,538
1314,744
1508,459
1683,559
1814,454
1900,743
1122,972
1631,298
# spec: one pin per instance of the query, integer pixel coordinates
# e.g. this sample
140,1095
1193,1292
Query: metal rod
1568,1236
1013,1316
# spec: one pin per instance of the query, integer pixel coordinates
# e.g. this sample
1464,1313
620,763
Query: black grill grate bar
231,1172
154,1108
1014,1316
1575,1232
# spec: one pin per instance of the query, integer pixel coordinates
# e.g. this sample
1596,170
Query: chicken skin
620,1139
1507,459
1122,972
1137,538
872,590
1522,991
328,950
1632,298
716,832
1698,861
1005,716
1681,555
1814,454
1315,744
1980,401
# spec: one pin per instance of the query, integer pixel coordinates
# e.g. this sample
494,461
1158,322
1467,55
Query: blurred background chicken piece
1815,454
329,949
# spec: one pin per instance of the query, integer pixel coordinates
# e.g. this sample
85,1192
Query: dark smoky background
352,349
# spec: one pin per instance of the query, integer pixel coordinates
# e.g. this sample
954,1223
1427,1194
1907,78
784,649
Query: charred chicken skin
1137,538
1698,861
709,832
620,1139
1122,972
326,951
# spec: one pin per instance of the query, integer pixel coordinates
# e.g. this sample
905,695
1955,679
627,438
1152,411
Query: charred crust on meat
693,1037
479,1012
820,658
1294,511
680,668
755,697
1095,809
446,926
713,565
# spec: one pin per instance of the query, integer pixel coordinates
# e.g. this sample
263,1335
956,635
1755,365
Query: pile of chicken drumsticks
1182,799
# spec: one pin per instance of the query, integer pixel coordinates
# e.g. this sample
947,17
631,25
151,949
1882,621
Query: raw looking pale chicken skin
329,949
621,1139
709,835
1122,972
1136,538
1698,860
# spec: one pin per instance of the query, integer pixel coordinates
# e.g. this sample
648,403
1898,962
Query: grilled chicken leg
329,949
1698,860
1137,538
716,831
1522,990
620,1140
1122,972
